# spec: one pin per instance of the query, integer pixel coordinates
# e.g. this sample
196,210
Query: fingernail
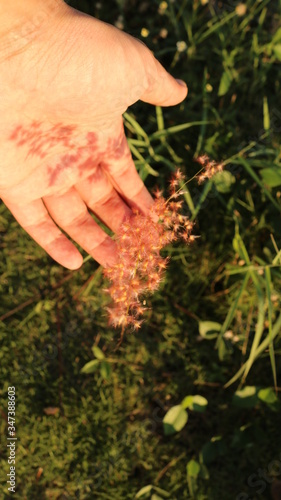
181,82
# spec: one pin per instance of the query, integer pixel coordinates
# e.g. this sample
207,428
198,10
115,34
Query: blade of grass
264,344
241,270
278,252
32,313
204,194
271,346
174,18
231,312
189,201
146,165
254,10
175,129
258,181
235,377
261,306
172,153
204,115
159,158
266,117
257,337
136,126
246,257
199,38
159,118
181,9
137,142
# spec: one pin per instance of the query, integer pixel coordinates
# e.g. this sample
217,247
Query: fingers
123,175
71,214
36,221
100,196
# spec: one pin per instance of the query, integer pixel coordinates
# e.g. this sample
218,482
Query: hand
62,143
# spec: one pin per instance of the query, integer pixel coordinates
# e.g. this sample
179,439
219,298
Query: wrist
22,21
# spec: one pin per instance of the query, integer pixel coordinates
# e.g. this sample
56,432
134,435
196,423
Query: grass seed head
140,266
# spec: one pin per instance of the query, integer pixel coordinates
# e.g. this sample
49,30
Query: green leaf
161,492
156,497
187,402
193,468
277,36
271,176
277,51
144,491
222,349
209,329
204,473
246,397
242,437
105,370
98,352
223,181
91,366
174,420
268,396
225,83
195,403
212,449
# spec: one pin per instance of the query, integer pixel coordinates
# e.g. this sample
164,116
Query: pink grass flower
209,168
140,267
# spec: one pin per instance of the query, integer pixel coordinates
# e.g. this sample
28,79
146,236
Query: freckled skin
63,152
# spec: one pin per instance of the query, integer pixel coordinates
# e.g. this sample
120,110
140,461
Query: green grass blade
204,194
215,27
136,126
246,257
137,142
144,163
266,116
259,182
159,118
172,153
278,252
269,338
189,201
175,129
257,337
271,346
262,347
231,312
204,115
261,305
237,375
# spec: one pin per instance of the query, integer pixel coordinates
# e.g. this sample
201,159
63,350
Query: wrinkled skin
62,143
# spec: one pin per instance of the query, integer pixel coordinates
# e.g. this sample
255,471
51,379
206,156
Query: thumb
163,89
